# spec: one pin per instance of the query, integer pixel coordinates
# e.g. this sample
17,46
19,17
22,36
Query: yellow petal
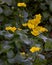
34,49
21,4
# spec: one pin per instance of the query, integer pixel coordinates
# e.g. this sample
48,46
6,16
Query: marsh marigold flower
34,49
39,29
33,22
21,4
37,19
25,24
30,26
35,32
20,15
22,53
19,29
9,28
38,16
33,25
13,29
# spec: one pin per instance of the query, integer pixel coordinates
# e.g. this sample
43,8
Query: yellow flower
10,28
39,29
37,20
22,53
35,32
38,16
21,4
20,15
34,49
13,29
25,24
33,22
30,26
19,29
33,25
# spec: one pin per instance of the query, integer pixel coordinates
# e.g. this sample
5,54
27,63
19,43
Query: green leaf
9,2
50,6
1,2
8,35
1,32
50,19
48,1
16,59
43,37
1,18
24,38
46,14
7,11
40,61
25,14
17,43
4,47
41,56
27,62
43,6
10,54
1,10
1,62
48,45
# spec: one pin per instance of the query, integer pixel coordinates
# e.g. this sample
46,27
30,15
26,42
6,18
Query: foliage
16,41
